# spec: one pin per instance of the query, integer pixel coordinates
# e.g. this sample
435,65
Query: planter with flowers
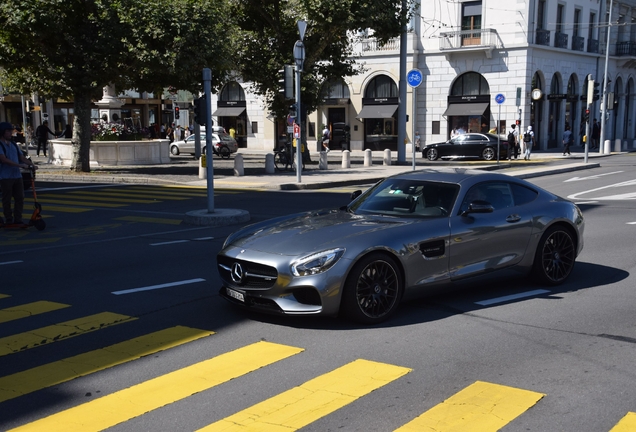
116,144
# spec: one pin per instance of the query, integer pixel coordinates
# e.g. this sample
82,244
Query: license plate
235,294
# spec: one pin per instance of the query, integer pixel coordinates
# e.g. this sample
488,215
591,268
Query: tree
268,33
72,49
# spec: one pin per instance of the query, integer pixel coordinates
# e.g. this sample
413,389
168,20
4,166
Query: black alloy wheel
224,151
373,289
488,153
555,256
432,154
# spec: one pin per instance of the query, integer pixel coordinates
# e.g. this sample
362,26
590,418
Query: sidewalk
185,172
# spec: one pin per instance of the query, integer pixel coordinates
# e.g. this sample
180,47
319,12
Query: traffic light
587,116
293,110
201,110
176,112
596,90
286,81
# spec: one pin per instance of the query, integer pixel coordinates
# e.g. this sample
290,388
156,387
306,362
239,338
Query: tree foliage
73,48
268,31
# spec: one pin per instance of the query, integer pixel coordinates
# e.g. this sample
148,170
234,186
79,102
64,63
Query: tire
224,152
281,161
432,154
488,154
39,224
555,256
174,150
373,289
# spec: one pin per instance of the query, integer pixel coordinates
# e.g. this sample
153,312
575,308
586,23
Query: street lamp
605,82
299,57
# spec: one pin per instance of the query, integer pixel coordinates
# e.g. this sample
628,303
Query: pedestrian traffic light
293,110
596,90
201,111
176,112
286,81
587,116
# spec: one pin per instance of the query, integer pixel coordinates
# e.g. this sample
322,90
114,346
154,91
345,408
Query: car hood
314,231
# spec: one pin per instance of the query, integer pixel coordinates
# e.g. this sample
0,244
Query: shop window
232,91
312,130
380,87
436,127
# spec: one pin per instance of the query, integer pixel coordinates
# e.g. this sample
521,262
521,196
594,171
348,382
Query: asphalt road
565,357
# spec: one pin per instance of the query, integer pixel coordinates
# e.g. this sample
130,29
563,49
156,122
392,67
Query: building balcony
578,43
560,40
626,49
373,45
592,46
542,37
475,40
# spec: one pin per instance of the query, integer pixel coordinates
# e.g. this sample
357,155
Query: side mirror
355,194
479,206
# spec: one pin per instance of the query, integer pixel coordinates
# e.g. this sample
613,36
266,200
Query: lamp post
605,82
299,57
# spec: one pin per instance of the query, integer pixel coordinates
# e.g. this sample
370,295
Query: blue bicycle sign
414,78
500,98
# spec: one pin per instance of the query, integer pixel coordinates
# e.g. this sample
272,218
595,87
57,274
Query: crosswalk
480,406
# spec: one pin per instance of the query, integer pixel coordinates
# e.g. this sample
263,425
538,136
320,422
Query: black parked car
469,145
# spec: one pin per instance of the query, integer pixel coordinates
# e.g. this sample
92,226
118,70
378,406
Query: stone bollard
323,163
618,144
386,160
346,159
634,144
607,147
270,168
203,172
368,158
239,169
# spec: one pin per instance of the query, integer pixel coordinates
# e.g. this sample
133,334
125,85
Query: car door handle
513,218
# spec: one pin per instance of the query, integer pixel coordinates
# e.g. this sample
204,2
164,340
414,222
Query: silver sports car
408,235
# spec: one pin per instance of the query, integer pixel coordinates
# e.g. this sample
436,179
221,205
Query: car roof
454,175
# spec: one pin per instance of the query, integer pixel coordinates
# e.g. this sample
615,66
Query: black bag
511,138
527,137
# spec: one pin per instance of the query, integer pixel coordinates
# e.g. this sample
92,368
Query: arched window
470,83
381,86
232,91
335,89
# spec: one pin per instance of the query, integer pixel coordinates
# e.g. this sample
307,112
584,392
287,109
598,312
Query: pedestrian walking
568,139
527,143
326,133
513,141
11,160
42,133
596,135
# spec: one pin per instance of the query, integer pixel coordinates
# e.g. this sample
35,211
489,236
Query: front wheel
174,150
373,289
281,161
488,153
555,256
432,154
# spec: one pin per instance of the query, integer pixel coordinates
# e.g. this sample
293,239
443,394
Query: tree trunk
81,132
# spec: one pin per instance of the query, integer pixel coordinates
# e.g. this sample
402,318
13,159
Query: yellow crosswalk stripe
66,209
4,296
627,424
139,194
55,332
171,192
21,383
79,203
480,407
24,242
29,309
312,400
139,399
150,220
102,197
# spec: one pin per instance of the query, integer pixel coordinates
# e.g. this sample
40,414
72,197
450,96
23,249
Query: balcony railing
578,43
626,49
373,45
592,46
543,37
468,38
560,40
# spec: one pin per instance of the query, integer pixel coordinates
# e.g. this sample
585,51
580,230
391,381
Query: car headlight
316,263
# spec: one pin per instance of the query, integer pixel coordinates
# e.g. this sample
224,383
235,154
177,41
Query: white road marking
203,238
590,177
585,202
10,262
154,287
512,297
626,196
631,223
170,242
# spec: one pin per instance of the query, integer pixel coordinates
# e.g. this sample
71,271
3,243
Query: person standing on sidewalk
513,141
11,160
596,135
568,139
527,143
325,138
42,133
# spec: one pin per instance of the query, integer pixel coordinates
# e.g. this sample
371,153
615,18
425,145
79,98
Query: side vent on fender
433,249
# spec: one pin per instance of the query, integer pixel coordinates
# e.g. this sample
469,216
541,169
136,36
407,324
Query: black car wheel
554,259
373,289
488,153
432,154
224,151
174,150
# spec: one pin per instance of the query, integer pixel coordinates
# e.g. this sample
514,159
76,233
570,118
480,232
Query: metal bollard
269,163
386,161
346,159
323,163
239,170
368,158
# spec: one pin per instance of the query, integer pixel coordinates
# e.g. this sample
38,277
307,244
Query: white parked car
223,143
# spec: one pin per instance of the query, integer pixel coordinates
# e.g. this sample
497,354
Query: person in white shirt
325,138
527,143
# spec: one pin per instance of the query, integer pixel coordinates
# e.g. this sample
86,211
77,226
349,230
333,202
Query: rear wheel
555,256
488,153
432,154
224,152
373,289
281,161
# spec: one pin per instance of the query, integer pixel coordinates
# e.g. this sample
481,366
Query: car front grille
255,275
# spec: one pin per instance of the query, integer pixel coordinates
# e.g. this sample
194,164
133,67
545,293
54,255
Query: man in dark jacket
42,133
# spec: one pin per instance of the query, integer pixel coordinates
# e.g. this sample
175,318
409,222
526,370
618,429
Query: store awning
228,112
377,111
465,109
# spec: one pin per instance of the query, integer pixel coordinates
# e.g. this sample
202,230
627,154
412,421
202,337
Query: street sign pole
414,79
500,99
299,57
209,149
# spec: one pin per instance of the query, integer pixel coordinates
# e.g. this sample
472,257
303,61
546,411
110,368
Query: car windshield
407,198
